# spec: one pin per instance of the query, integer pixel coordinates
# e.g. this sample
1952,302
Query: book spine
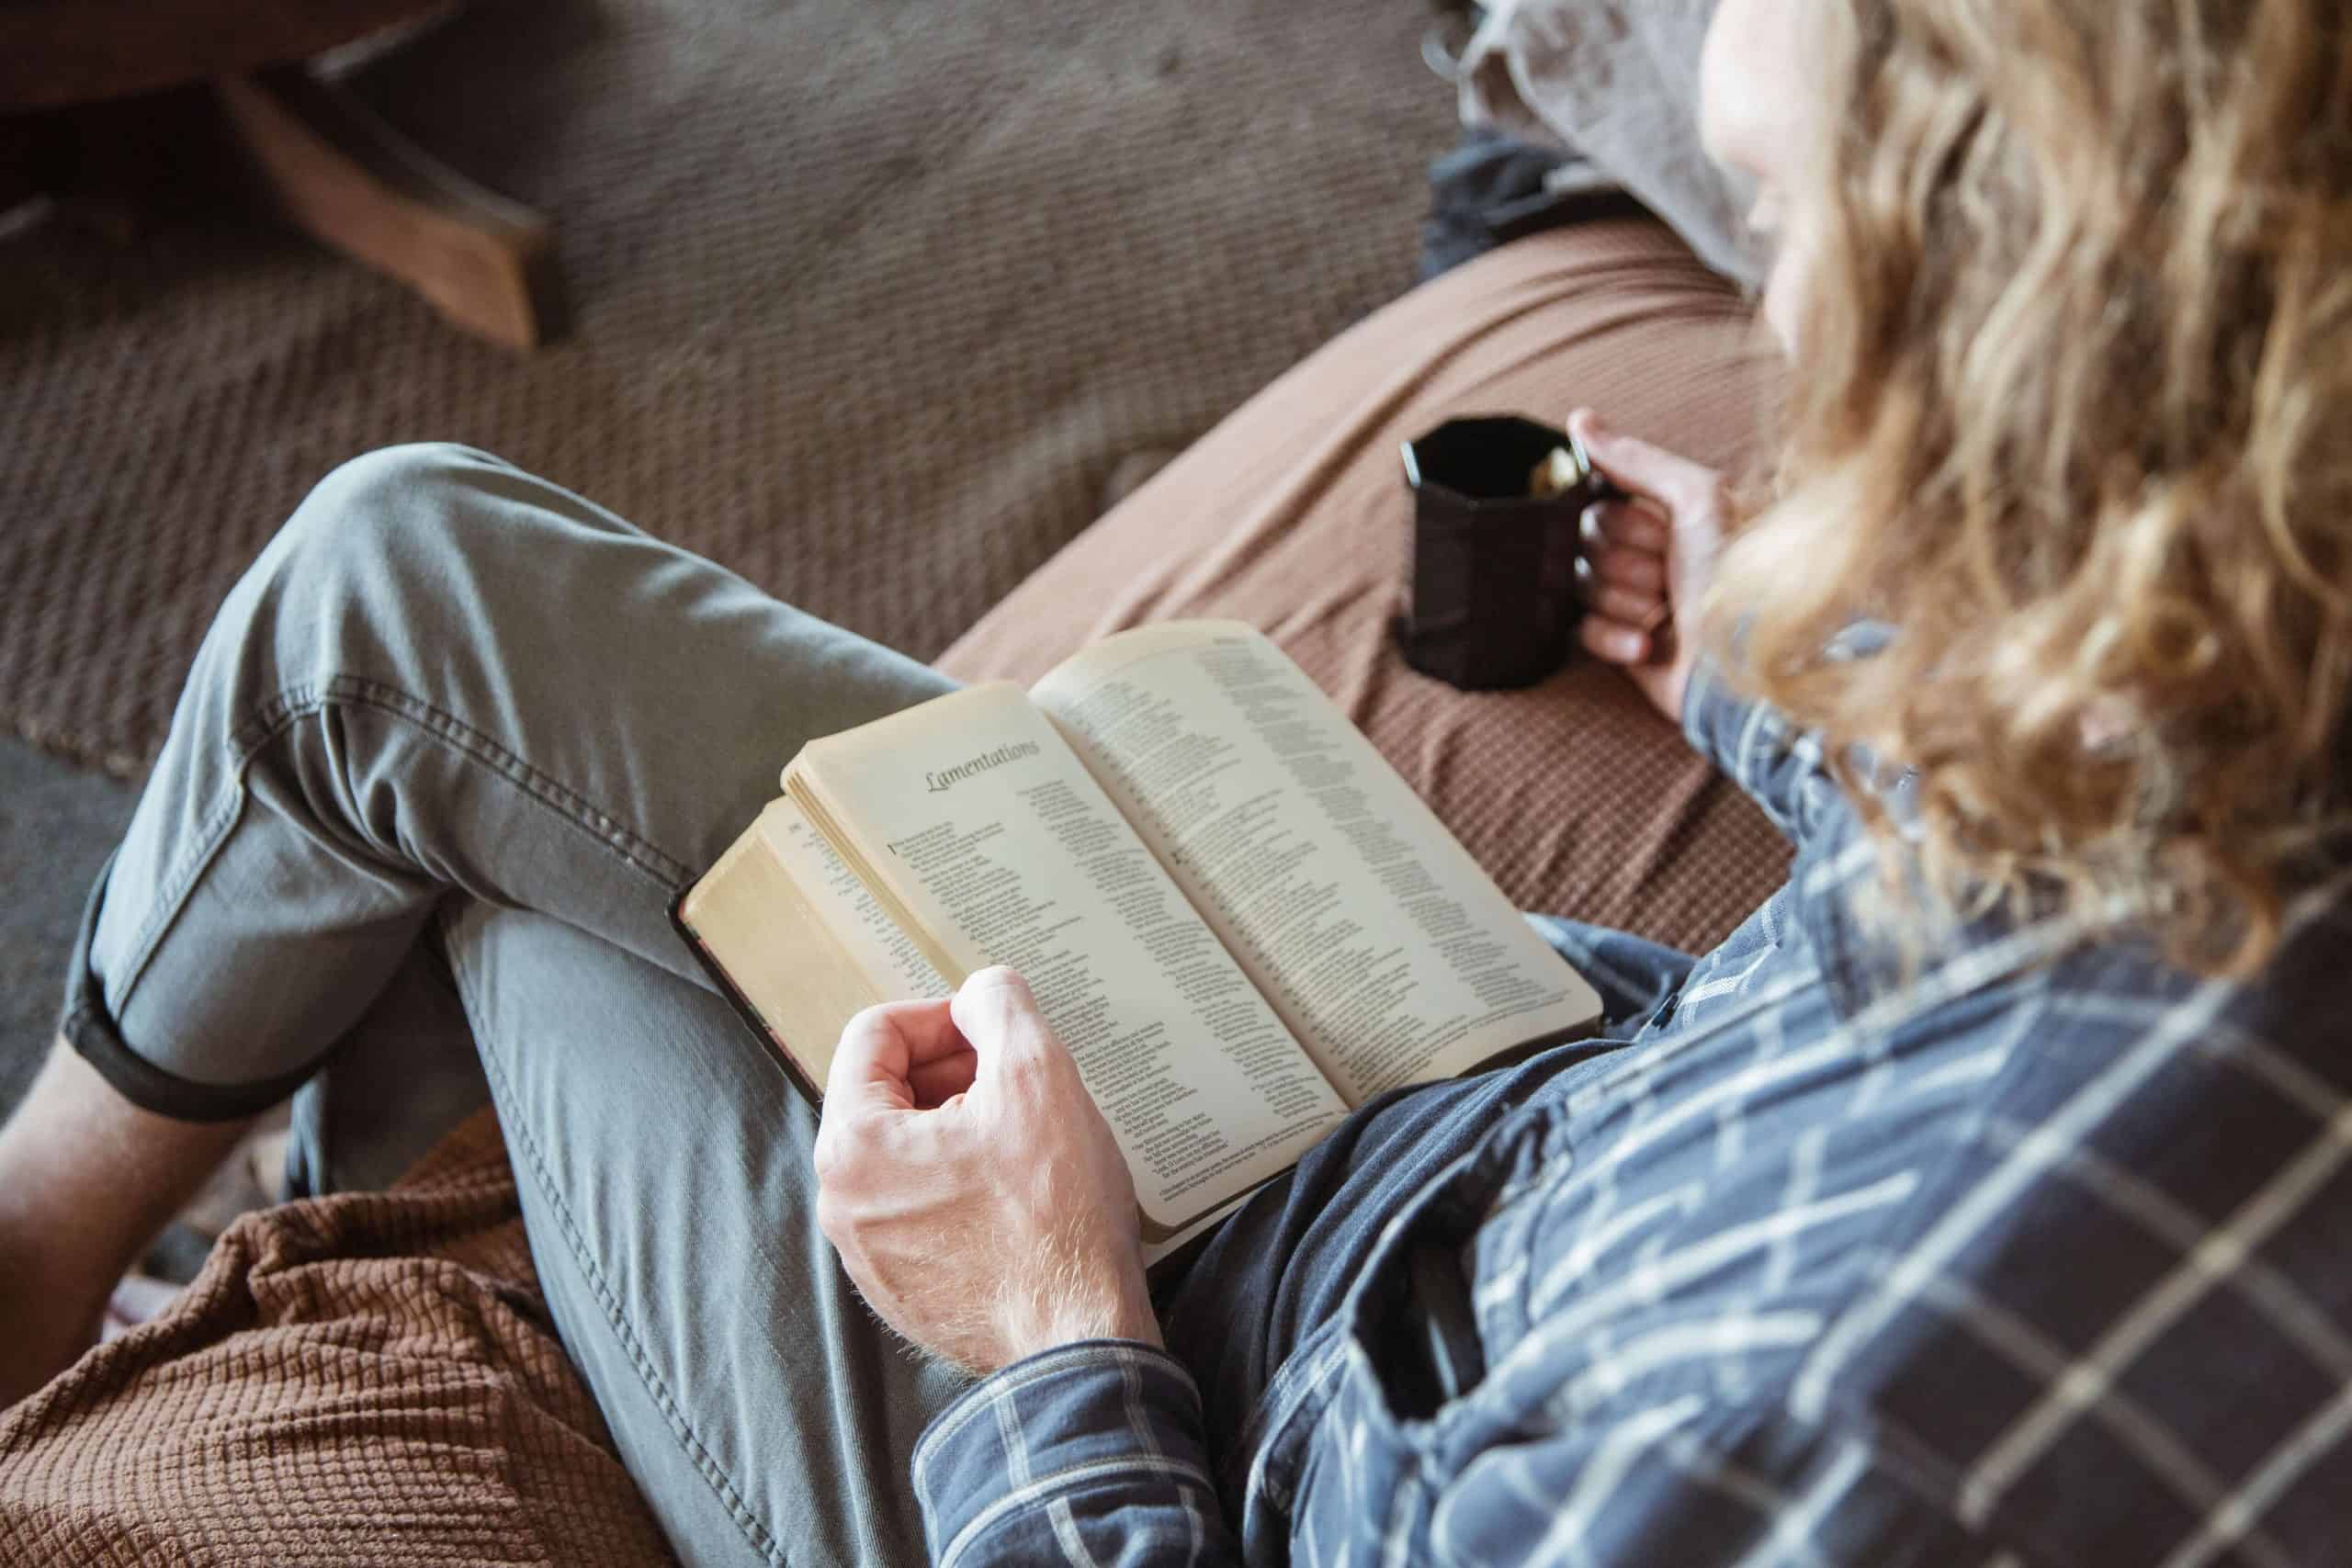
742,1004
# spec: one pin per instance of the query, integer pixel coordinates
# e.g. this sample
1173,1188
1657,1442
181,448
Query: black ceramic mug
1491,600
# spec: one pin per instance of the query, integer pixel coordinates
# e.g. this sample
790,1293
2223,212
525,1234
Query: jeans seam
172,894
712,1471
294,703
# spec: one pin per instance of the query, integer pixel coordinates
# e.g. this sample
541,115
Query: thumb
1668,479
994,1012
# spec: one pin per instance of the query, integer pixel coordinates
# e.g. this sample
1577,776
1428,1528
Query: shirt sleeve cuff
1711,717
1100,1424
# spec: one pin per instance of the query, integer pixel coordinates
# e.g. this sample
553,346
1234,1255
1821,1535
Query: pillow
1616,82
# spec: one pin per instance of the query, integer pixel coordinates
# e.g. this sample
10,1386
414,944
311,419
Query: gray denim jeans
451,747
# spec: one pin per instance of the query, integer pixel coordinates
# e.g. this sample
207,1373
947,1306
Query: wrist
1111,1311
1677,694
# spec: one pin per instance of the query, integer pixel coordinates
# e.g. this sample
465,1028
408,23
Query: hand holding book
973,1190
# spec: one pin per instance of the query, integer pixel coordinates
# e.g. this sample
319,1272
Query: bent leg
451,690
444,678
405,1074
669,1199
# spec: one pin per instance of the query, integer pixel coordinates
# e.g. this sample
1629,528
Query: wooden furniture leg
346,178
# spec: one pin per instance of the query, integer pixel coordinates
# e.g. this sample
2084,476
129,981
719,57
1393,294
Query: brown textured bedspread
367,1379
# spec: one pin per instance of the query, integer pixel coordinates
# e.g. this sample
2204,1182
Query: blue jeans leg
453,707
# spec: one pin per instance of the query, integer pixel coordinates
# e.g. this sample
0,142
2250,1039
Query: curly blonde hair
2074,413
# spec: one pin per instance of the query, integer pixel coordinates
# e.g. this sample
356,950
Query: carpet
57,827
872,300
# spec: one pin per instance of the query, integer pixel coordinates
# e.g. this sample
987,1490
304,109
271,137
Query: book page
891,962
1391,954
778,957
793,943
1000,848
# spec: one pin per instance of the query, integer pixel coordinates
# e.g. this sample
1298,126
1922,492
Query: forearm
1097,1443
984,1208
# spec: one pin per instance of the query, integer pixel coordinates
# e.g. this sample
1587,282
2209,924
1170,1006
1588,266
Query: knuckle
1027,1071
842,1146
864,1021
999,980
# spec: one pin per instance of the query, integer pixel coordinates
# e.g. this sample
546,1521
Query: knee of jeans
378,518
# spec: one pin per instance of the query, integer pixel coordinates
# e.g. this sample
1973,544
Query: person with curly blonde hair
2075,418
1981,1200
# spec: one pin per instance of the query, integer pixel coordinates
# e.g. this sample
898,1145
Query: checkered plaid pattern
2036,1252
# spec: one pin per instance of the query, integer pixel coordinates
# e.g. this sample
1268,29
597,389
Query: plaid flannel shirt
2040,1255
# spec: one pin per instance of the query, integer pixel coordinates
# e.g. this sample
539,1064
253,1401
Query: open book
1234,912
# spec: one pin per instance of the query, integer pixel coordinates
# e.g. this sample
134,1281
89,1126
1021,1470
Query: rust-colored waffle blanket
367,1380
1293,515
